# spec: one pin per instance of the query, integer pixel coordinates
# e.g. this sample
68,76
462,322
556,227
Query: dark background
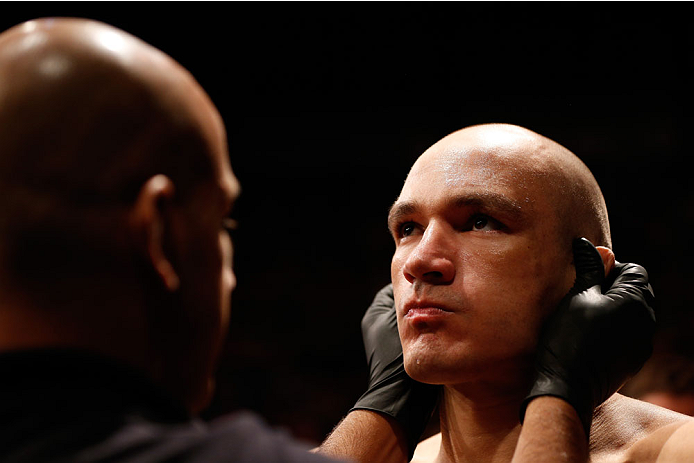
328,104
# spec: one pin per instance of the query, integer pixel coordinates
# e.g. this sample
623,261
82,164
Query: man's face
211,278
205,270
478,262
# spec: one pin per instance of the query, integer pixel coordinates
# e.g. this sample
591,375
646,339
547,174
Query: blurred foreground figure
115,266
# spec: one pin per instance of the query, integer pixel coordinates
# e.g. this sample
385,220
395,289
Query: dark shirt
65,406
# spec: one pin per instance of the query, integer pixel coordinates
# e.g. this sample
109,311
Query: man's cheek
402,331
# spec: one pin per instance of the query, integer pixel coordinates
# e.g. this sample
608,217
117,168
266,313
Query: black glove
391,390
595,341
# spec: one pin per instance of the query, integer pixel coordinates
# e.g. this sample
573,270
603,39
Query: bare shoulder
428,450
626,429
680,445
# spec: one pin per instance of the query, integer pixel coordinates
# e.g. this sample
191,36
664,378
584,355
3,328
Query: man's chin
425,370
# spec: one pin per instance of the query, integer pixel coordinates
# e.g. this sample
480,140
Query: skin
90,112
552,433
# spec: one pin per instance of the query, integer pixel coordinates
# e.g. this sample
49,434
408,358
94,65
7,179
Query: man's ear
607,258
147,221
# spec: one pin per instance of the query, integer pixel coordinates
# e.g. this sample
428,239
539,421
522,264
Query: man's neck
479,424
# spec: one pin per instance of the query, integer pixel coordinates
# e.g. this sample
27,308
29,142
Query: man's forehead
462,166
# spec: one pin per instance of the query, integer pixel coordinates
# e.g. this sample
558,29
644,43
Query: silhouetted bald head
114,182
88,113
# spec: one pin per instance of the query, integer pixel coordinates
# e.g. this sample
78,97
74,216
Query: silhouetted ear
607,258
147,221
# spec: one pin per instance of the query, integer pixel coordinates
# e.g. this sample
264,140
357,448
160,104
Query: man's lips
425,310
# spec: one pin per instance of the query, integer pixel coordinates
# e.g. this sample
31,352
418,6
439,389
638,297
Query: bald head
87,113
74,89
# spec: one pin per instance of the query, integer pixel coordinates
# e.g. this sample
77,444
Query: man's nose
432,260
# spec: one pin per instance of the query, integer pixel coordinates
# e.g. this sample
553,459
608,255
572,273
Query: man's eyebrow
492,202
399,210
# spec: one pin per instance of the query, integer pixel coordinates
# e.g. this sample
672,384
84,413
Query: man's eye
406,229
480,223
484,223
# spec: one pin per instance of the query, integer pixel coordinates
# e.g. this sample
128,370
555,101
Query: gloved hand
391,391
595,341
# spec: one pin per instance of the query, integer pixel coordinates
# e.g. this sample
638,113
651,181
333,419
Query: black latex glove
595,341
391,391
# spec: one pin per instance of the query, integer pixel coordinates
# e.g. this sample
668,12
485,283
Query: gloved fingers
628,275
590,270
383,302
379,328
385,295
631,279
631,289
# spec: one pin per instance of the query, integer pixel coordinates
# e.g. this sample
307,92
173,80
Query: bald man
115,264
484,229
